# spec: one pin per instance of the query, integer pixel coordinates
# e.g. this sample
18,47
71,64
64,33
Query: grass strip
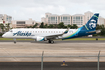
60,39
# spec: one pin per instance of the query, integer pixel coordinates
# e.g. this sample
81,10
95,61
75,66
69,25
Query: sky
36,9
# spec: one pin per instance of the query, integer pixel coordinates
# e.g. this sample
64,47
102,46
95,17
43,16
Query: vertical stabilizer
92,23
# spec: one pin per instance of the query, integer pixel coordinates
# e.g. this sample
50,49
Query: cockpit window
10,31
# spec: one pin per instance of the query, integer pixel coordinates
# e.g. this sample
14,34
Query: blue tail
92,23
88,29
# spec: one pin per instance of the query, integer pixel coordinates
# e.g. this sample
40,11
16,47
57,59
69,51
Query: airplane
51,34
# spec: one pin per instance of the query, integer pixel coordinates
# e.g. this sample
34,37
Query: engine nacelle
40,38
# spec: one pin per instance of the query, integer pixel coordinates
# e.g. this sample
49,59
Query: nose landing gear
14,41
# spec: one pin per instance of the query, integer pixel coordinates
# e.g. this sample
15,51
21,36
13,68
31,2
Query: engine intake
40,38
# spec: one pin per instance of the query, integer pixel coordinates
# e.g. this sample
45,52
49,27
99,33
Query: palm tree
2,27
7,27
35,25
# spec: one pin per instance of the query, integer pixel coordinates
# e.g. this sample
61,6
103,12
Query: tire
52,41
14,42
96,38
49,41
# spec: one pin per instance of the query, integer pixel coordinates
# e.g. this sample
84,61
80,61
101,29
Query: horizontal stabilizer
97,31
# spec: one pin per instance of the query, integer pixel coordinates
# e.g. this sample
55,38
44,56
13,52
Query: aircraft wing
57,35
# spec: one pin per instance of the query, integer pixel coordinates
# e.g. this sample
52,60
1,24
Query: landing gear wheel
96,38
15,42
51,41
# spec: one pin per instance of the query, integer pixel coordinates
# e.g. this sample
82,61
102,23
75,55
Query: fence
98,56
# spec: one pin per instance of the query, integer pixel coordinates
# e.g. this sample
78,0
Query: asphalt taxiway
51,66
59,41
25,49
59,48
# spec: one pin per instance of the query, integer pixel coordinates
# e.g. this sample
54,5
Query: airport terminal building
23,23
79,19
5,19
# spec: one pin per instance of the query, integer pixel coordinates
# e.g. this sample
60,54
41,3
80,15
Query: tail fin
92,23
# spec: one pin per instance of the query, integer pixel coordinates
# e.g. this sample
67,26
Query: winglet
66,31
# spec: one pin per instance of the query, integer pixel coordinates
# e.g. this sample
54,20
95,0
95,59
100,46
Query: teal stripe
86,27
95,16
42,39
72,35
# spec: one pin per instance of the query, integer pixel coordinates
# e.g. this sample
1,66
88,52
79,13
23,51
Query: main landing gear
50,41
14,41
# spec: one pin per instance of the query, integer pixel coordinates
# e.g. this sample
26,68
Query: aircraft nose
3,35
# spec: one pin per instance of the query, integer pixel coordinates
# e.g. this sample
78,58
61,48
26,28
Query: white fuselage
24,33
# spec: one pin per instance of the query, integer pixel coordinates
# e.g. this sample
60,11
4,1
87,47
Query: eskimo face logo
93,20
92,24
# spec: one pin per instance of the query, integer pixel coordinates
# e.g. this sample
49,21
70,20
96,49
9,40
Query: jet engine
40,38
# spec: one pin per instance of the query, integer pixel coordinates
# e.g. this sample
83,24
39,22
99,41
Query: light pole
42,61
98,60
